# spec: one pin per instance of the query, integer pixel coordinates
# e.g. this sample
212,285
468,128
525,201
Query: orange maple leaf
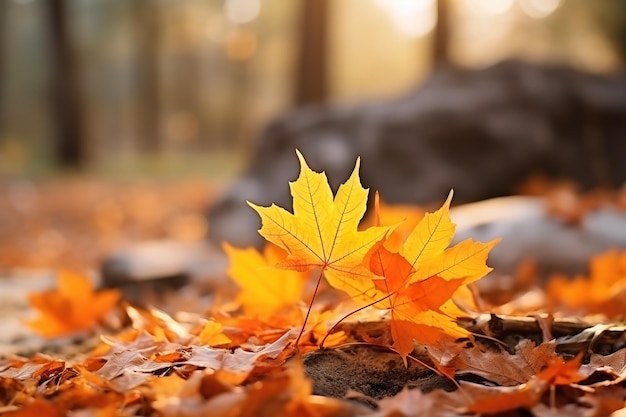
405,216
264,290
74,306
322,230
604,292
420,280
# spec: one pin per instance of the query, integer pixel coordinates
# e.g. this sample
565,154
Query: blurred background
106,84
122,120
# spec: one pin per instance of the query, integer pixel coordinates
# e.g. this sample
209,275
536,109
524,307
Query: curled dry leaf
236,366
491,400
614,363
286,393
500,367
407,403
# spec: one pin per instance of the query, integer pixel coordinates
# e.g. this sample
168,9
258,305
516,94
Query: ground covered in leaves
335,317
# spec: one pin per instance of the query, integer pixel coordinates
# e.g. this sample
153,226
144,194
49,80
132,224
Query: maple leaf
322,230
73,306
415,308
488,400
422,277
405,216
236,366
492,400
212,334
603,292
615,363
128,369
264,290
407,403
502,368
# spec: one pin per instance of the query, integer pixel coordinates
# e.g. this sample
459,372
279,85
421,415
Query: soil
372,372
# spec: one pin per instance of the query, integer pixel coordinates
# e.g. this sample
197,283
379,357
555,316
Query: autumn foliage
324,281
72,307
415,283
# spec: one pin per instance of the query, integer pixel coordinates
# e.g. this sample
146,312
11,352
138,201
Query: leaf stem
308,312
330,331
413,358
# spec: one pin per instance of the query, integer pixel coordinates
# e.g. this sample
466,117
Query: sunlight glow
242,11
492,6
539,9
412,17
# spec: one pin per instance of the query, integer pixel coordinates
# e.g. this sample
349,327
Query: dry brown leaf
407,402
492,400
499,367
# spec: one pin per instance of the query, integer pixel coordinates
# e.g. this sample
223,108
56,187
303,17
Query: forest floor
535,349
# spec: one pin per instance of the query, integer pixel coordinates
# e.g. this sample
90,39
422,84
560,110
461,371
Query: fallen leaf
562,372
236,366
492,400
406,217
420,280
322,231
407,402
614,363
74,306
500,367
129,361
285,393
38,408
264,289
212,334
603,292
415,308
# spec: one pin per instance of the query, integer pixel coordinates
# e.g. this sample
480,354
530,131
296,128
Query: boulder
481,132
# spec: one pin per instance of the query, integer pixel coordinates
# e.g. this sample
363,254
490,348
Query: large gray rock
480,132
528,232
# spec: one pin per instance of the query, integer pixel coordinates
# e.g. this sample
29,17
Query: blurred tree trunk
311,75
617,27
69,144
442,35
148,46
3,37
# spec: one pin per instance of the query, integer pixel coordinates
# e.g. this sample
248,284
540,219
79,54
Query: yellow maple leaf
212,334
73,306
264,290
322,230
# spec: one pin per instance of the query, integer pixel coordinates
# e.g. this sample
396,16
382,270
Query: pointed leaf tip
301,159
449,199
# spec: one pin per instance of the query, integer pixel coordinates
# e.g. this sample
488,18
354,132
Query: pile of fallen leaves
77,221
325,283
